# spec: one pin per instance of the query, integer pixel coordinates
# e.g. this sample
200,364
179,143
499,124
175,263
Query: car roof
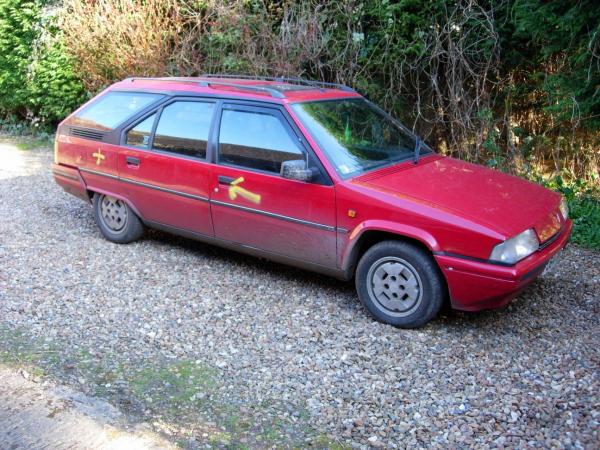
276,90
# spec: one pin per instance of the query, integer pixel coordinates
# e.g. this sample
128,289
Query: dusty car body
311,175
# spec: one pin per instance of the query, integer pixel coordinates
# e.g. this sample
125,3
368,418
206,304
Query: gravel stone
289,345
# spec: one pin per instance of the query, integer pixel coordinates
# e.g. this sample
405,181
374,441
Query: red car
312,175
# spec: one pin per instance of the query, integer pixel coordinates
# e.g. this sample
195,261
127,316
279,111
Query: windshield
355,135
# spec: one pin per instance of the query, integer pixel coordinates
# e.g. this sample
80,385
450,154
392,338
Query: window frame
158,111
280,114
138,122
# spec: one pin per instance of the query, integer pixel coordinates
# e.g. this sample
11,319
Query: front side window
112,108
355,136
183,128
139,136
256,140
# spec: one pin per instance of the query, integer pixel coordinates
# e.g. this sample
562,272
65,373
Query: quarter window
112,108
255,140
183,128
139,136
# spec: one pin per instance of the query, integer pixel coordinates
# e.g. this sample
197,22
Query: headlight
564,208
516,248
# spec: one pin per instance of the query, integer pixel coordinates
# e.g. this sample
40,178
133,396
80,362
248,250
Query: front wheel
400,284
116,220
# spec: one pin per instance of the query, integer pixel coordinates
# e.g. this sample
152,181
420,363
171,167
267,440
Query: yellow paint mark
99,156
351,213
235,190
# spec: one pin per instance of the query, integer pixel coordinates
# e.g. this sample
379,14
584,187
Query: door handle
132,161
225,180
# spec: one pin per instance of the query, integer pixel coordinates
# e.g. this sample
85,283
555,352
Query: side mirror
297,170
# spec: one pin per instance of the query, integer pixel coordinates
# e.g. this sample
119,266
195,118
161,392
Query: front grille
87,134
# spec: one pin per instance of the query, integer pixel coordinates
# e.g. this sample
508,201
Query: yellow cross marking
235,190
99,156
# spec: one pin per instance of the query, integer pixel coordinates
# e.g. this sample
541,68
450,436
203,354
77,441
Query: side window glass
183,128
255,140
139,136
107,111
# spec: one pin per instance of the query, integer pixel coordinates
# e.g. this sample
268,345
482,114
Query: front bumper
476,285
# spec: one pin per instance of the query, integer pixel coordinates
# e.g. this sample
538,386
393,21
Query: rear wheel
117,222
400,284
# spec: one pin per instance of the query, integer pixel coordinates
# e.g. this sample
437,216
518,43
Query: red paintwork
451,207
179,174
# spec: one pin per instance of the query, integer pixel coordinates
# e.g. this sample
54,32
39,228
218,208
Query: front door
253,205
163,167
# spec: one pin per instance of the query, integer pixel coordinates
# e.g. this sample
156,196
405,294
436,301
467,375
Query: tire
400,284
116,220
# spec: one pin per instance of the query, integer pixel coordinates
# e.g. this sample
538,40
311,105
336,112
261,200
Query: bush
37,81
584,209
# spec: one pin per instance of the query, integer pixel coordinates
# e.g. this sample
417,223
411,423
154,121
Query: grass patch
183,384
18,351
183,397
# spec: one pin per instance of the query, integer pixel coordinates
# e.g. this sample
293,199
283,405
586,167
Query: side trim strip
102,174
150,186
216,202
162,189
275,216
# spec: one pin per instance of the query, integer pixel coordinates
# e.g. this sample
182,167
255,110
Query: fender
349,254
121,197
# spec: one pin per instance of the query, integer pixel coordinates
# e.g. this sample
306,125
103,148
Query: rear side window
139,136
183,128
255,140
113,108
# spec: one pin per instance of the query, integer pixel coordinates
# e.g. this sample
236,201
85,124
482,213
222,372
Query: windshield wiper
417,150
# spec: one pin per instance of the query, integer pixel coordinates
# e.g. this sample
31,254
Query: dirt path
36,416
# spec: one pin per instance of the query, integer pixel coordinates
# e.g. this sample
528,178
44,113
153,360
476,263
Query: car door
252,204
163,165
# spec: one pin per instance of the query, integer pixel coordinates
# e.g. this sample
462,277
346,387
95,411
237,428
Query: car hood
501,202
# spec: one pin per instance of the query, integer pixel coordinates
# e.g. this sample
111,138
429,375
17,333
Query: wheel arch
94,190
367,235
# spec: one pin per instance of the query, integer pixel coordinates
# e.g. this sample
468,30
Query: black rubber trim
472,258
162,189
216,202
551,239
275,216
102,174
147,185
535,272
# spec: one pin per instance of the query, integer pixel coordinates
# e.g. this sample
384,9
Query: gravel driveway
212,348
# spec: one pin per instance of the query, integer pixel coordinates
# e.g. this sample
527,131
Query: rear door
163,165
252,204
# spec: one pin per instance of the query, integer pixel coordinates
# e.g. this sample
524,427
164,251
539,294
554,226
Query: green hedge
37,81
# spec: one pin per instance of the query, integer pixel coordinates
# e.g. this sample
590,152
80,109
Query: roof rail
208,83
291,80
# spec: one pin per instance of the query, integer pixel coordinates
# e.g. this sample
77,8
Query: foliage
564,42
584,209
37,82
17,35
